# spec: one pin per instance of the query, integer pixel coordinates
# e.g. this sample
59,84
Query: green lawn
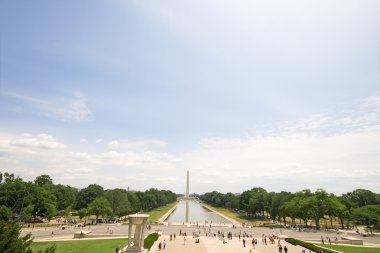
82,246
351,249
239,217
157,213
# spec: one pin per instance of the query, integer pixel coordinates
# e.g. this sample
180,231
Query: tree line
42,199
360,206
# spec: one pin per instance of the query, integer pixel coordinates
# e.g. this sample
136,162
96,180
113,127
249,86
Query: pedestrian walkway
216,245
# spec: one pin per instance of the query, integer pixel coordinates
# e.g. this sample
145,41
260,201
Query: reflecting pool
192,211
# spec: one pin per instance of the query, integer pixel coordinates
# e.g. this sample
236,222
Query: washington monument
187,185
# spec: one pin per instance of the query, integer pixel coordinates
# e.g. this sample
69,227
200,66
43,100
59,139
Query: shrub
309,246
273,225
149,240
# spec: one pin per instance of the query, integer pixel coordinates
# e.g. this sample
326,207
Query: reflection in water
193,212
187,211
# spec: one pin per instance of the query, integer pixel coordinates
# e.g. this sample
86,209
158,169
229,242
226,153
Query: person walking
285,249
184,240
244,242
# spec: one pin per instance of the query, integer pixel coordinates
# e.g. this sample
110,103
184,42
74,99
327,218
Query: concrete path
216,245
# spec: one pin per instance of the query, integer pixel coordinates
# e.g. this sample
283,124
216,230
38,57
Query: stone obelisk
187,185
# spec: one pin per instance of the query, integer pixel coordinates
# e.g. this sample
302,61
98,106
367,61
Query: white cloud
83,140
301,160
41,141
138,144
314,153
113,144
99,140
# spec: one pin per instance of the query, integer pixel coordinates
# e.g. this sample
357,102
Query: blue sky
279,94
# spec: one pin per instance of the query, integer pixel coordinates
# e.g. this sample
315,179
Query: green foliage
66,196
149,240
44,202
272,225
82,213
88,194
13,192
305,205
307,245
99,206
367,215
255,201
5,213
277,201
362,197
154,198
118,199
43,180
10,240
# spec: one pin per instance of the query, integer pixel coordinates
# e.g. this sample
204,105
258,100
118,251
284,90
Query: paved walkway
216,245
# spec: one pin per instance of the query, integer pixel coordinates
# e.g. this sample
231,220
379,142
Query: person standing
244,242
285,249
184,240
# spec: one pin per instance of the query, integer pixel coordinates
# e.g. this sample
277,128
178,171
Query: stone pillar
139,221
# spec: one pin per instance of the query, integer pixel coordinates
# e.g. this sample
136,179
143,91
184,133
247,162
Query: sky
283,95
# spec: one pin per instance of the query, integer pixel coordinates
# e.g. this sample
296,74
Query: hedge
308,246
149,240
273,225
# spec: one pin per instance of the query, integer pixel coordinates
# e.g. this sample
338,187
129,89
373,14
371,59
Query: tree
290,209
13,192
277,200
367,215
318,204
148,200
44,202
82,213
363,197
118,199
99,207
43,180
66,196
135,202
232,201
335,208
88,194
254,201
10,239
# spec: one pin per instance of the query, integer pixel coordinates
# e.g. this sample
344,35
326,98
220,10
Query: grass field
242,218
351,249
82,246
156,213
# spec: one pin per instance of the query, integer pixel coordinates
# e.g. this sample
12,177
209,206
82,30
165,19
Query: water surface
192,211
